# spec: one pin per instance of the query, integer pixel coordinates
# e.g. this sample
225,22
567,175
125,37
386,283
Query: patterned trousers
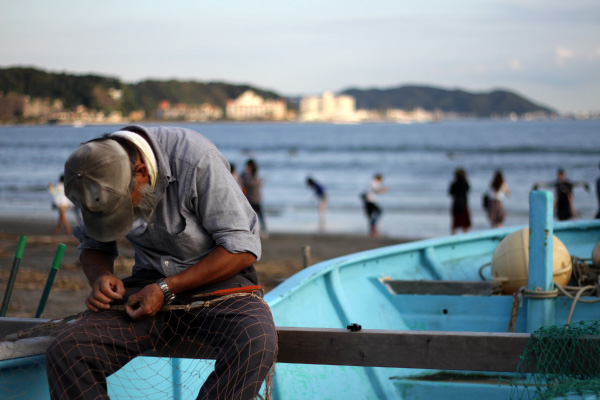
240,329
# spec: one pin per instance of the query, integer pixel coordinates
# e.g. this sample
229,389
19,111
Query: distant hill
498,102
73,90
92,91
149,93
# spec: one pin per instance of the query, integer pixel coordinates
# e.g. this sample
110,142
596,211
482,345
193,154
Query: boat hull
352,289
356,289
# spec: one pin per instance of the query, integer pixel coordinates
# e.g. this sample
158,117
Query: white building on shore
250,106
329,107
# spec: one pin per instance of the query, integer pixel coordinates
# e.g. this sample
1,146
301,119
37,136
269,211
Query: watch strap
169,296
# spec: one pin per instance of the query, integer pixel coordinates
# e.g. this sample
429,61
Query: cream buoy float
510,262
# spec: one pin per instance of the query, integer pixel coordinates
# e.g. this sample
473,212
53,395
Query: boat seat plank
458,351
468,288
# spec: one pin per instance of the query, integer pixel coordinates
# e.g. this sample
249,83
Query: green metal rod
60,251
13,275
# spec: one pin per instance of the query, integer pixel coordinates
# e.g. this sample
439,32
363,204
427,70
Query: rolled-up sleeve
223,209
86,242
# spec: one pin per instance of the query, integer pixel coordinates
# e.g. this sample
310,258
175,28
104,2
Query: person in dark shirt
564,209
321,195
459,190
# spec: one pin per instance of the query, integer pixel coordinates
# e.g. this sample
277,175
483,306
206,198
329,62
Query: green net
560,362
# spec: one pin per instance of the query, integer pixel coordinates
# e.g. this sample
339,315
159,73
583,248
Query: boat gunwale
301,278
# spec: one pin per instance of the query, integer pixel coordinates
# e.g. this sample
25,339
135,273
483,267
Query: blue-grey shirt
201,207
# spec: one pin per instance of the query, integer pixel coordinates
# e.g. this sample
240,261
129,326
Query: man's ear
140,168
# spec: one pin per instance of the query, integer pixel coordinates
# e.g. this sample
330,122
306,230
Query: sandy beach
283,256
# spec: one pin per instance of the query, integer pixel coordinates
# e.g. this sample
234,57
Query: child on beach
372,209
61,203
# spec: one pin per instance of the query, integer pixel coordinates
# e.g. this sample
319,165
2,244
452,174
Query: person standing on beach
372,209
251,185
321,195
498,190
61,203
564,208
459,190
170,192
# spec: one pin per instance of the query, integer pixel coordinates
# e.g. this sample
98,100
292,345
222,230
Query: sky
545,50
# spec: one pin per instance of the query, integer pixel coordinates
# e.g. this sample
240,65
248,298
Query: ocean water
416,160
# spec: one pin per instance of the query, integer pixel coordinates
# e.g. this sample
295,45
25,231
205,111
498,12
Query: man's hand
145,303
106,289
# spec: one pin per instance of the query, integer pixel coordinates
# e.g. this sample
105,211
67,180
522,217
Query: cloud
563,55
516,65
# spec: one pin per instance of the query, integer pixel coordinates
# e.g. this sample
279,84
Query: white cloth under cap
146,151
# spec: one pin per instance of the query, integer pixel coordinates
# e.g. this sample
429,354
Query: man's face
143,196
141,178
147,200
561,176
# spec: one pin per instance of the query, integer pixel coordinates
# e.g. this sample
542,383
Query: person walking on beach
321,195
252,187
564,208
372,209
61,203
459,190
498,191
170,192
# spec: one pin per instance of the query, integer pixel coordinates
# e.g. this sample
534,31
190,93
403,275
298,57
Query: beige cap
97,180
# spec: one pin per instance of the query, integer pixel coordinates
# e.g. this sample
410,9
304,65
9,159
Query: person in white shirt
372,209
498,191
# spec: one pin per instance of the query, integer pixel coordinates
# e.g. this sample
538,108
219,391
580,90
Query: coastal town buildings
329,108
188,112
250,106
406,116
15,107
36,107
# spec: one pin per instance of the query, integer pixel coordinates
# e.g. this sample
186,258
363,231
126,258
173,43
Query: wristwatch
169,296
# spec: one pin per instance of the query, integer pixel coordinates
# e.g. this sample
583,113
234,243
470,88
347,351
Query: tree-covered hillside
110,94
87,90
498,102
147,94
93,91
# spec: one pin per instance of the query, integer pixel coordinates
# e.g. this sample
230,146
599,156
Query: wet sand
283,256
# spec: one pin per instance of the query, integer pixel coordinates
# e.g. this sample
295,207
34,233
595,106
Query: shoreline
282,256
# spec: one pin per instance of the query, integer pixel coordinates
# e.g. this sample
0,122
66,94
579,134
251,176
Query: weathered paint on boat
349,289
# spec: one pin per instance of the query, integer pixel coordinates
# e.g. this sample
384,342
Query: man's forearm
217,266
96,263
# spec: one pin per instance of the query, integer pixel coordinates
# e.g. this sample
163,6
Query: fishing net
178,347
560,362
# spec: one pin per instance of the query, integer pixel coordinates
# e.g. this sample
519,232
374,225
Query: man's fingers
135,308
90,306
96,305
112,290
102,297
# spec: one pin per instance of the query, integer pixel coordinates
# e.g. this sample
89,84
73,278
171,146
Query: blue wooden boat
362,288
356,289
